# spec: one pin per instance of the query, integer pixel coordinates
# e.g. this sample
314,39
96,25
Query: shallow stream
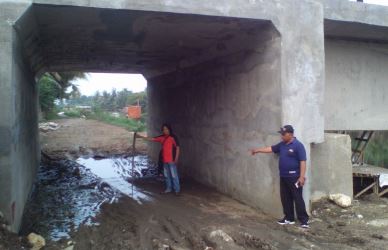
70,193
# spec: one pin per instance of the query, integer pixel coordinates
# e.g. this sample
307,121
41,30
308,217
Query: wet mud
69,193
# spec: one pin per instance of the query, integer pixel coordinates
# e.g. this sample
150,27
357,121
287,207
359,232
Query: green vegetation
58,94
376,151
130,124
104,104
53,87
73,113
48,93
111,101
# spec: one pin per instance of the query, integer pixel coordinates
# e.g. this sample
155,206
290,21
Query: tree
49,91
53,86
112,101
122,98
64,80
112,104
140,97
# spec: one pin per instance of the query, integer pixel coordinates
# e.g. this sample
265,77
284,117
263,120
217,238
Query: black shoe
177,194
286,222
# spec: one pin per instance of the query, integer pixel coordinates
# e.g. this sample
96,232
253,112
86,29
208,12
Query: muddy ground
201,218
87,137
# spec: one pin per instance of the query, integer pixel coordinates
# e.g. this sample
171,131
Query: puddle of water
70,193
118,171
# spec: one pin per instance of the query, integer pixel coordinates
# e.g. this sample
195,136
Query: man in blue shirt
292,170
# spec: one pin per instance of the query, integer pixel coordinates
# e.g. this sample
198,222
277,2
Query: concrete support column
19,146
303,76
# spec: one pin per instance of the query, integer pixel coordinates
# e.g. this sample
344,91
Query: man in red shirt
170,156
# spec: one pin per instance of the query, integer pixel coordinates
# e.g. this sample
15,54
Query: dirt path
81,136
202,218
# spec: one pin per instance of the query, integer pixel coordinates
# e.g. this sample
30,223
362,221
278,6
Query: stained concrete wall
219,110
19,146
356,85
331,167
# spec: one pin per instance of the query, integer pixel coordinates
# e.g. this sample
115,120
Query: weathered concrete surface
361,13
222,108
331,167
356,78
246,93
19,147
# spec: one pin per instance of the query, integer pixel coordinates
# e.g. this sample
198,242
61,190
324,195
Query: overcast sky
134,82
103,81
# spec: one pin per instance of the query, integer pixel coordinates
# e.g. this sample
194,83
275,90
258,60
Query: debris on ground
9,240
341,200
37,242
48,126
221,234
378,223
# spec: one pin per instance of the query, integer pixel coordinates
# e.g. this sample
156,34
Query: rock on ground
36,241
341,200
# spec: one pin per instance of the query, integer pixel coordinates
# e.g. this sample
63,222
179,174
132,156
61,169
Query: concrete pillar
19,146
333,159
303,74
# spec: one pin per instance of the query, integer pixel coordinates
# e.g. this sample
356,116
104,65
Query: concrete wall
19,146
356,85
220,109
331,167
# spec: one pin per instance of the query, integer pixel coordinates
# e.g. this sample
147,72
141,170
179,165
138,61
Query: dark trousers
160,168
289,195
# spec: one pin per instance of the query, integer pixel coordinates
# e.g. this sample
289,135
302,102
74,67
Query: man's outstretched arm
261,150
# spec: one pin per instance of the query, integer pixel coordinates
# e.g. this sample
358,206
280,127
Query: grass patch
130,124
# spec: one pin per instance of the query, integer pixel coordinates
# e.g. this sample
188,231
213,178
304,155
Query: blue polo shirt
290,156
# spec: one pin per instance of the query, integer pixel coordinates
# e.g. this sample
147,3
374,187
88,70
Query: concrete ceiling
107,40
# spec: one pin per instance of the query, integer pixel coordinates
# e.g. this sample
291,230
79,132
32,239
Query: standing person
170,155
292,169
